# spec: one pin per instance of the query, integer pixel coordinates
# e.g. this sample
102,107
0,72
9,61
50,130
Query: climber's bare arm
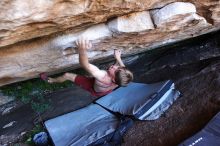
117,54
83,45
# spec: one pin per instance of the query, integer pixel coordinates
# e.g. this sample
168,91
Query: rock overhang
134,32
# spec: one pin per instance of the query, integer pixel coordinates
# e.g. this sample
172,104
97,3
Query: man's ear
113,80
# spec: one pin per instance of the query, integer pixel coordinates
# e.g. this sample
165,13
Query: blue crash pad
208,136
81,127
92,123
144,101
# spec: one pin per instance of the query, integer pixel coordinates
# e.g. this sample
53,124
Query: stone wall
39,36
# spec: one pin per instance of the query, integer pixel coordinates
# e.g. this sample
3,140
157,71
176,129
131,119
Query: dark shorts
87,83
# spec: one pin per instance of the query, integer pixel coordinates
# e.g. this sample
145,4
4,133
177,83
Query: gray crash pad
81,127
92,123
208,136
144,101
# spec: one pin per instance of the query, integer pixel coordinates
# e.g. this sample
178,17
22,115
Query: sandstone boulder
166,13
23,19
133,33
215,10
176,16
135,22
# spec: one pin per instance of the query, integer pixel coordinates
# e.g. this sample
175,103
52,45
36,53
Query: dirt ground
198,80
198,104
194,67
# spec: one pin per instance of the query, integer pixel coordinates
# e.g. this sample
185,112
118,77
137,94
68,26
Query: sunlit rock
215,10
27,60
96,32
135,22
167,13
67,42
53,28
24,19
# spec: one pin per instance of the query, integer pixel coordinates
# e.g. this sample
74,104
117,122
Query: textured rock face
24,19
167,14
135,22
53,27
176,16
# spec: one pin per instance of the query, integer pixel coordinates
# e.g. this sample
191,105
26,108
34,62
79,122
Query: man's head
121,75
